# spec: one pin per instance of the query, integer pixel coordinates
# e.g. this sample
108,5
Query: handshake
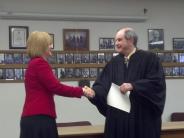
88,92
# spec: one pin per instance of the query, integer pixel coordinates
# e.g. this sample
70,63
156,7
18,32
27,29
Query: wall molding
59,17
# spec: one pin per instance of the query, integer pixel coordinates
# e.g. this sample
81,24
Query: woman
38,116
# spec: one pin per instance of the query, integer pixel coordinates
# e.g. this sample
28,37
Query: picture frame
69,58
9,74
106,44
93,58
155,39
85,72
178,43
52,35
85,58
77,72
18,74
76,39
26,58
1,58
69,72
93,72
18,58
61,73
9,58
18,36
77,58
101,58
61,58
3,74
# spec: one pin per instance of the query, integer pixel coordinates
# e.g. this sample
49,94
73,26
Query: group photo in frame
18,36
178,43
106,43
76,39
155,39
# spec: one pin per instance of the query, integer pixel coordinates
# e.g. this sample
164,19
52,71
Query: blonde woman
38,116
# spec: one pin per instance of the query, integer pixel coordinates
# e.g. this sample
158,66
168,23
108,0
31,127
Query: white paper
118,100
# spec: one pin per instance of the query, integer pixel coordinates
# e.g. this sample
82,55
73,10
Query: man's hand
88,92
125,87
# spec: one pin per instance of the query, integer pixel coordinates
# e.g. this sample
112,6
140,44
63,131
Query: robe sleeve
152,87
101,88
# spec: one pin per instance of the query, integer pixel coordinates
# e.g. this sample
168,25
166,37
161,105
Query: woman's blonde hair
38,43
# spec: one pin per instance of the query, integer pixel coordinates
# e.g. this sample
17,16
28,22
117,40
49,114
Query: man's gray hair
130,34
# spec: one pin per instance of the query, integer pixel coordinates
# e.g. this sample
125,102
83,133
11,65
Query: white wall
161,14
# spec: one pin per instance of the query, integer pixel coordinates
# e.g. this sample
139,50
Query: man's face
121,44
156,34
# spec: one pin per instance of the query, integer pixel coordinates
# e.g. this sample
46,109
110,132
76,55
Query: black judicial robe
146,74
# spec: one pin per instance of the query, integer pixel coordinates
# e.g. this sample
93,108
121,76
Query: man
141,74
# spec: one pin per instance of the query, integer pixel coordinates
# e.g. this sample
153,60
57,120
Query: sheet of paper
118,100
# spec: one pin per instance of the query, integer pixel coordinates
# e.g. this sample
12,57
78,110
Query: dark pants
38,126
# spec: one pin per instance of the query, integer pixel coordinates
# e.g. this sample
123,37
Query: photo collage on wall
58,57
172,57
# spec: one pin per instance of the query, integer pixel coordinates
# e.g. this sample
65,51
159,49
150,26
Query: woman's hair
38,43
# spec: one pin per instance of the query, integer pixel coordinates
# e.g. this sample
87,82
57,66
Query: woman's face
49,51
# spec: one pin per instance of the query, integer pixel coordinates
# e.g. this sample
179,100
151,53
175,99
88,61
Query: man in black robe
141,73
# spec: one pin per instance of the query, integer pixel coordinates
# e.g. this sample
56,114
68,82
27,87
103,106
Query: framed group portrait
155,39
178,43
76,39
106,43
18,36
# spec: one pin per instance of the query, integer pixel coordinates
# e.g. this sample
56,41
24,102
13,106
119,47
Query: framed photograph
18,36
93,58
93,72
181,71
18,58
26,58
100,71
69,58
168,71
108,57
69,72
18,74
85,72
8,58
52,35
167,57
106,43
1,58
61,58
178,43
161,56
155,39
85,58
10,74
77,58
61,73
101,58
175,57
181,57
2,74
77,72
76,39
176,71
